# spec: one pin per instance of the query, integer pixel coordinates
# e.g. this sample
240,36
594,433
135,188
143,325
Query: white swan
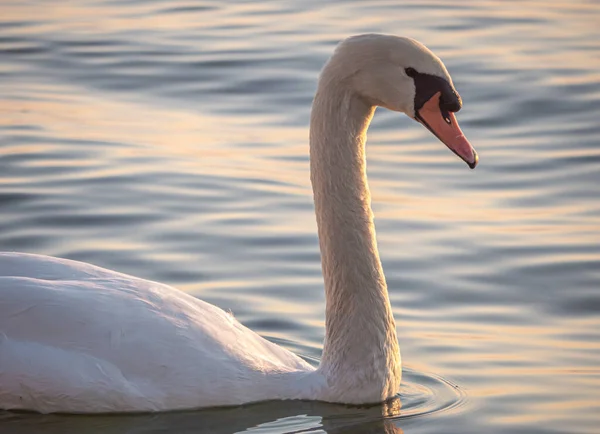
78,338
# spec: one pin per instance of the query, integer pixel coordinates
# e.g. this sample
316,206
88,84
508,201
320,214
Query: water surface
168,140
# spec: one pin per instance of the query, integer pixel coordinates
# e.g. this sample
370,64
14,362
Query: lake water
168,140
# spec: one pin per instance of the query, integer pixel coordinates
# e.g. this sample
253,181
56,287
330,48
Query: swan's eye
410,72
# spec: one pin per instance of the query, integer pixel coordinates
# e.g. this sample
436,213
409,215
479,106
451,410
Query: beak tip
475,160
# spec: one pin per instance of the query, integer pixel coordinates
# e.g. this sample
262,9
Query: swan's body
84,339
79,338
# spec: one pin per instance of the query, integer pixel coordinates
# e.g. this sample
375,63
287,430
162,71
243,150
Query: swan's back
80,335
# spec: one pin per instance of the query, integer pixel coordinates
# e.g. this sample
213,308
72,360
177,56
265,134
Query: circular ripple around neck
421,393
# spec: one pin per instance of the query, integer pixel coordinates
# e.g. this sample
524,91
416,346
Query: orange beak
445,127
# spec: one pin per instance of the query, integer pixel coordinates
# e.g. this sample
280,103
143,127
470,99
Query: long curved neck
360,354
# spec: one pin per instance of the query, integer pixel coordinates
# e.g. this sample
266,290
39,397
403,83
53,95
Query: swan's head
402,74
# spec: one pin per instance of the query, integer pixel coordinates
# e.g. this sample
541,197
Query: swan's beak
445,127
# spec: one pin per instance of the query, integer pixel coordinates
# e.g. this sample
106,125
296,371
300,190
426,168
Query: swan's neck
360,355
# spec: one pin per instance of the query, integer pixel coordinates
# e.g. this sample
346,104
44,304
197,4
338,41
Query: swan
78,338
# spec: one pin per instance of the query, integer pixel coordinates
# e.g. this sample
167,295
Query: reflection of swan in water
78,338
272,416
